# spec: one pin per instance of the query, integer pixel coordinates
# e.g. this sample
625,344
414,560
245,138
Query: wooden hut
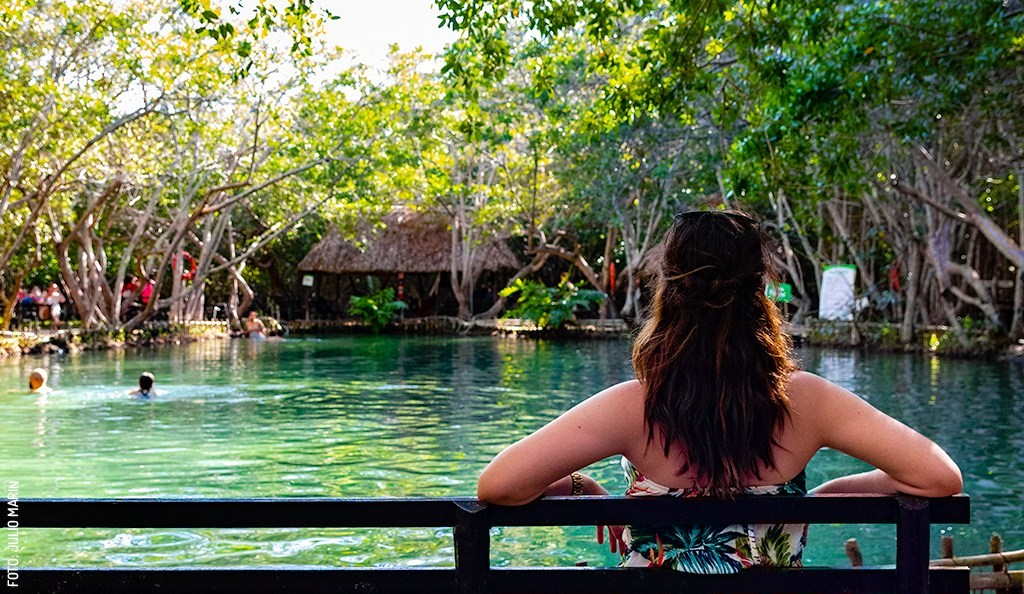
412,250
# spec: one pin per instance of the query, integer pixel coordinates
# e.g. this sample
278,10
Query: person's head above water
37,379
146,382
711,355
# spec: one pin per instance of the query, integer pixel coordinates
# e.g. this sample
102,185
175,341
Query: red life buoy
189,271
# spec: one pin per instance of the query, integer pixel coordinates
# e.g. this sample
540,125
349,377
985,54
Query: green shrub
549,307
377,308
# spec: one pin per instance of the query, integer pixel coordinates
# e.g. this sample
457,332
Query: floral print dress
712,549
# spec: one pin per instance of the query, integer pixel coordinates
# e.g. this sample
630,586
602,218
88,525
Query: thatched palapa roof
409,242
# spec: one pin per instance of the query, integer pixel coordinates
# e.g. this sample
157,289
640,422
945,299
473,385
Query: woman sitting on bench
719,408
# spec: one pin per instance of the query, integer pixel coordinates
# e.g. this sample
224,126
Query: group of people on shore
49,303
135,296
38,378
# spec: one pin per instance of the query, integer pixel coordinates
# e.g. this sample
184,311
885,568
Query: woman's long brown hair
711,355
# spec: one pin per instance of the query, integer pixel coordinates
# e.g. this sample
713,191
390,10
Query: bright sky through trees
368,28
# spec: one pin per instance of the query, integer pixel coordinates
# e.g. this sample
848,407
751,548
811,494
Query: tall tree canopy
137,138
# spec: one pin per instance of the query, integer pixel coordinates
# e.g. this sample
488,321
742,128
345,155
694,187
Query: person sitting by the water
35,295
26,308
53,300
254,327
38,297
145,389
719,408
129,287
37,381
147,293
130,302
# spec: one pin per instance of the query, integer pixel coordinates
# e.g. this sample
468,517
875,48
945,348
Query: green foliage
549,307
242,28
376,309
783,108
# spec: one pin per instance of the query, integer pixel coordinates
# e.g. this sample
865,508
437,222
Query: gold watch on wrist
577,483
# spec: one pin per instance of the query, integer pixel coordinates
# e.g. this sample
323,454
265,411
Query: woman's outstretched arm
906,461
539,464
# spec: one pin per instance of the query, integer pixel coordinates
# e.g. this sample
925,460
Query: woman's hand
615,542
591,487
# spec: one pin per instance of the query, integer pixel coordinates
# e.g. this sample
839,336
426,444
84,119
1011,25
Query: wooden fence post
947,547
995,545
853,553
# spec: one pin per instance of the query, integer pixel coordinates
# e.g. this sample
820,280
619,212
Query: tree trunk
1017,325
608,309
791,265
839,224
462,285
1005,244
175,315
637,230
232,313
939,248
496,308
913,284
10,302
938,253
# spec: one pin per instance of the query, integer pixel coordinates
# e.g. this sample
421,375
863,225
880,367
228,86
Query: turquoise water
398,417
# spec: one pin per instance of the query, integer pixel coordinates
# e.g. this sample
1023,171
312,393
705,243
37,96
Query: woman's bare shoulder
806,388
813,399
621,407
621,401
803,380
625,391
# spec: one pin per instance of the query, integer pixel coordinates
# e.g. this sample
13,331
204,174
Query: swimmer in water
255,327
145,389
37,381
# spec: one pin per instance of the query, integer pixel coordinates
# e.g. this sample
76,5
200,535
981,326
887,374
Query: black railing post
912,545
472,535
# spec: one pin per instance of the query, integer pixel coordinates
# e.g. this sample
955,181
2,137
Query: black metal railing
472,522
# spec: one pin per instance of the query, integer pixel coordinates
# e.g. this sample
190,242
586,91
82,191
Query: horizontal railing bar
567,580
239,513
813,509
440,512
232,580
585,580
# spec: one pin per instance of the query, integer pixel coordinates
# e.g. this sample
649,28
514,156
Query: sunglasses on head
693,215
